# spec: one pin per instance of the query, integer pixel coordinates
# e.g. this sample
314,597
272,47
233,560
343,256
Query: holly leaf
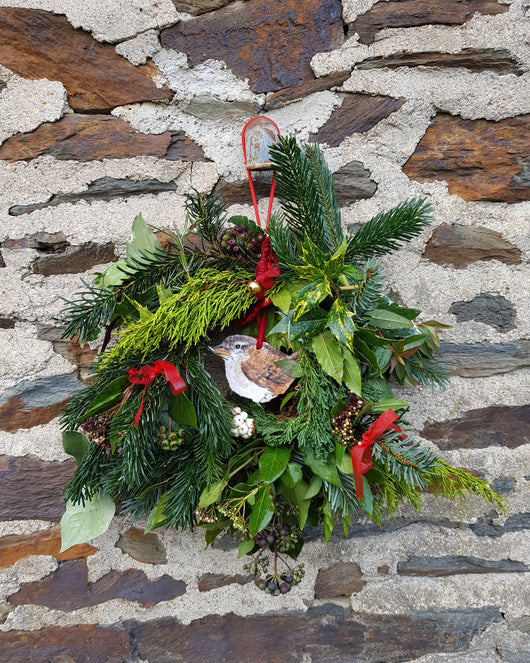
311,296
272,462
352,371
311,254
182,410
212,493
329,356
80,524
262,511
340,323
75,444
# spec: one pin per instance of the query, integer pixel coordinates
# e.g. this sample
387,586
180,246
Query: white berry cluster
242,424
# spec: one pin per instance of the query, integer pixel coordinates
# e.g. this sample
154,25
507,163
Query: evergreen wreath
311,433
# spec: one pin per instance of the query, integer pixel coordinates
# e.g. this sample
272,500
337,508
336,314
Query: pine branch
284,245
405,459
207,214
332,223
364,286
453,482
386,231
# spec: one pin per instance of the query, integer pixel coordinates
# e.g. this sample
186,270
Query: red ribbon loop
361,454
146,374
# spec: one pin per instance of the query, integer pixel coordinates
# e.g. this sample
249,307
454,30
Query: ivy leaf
182,410
75,444
262,511
340,323
290,367
245,547
384,404
384,319
107,397
352,371
311,296
272,462
212,493
282,299
212,530
329,356
80,524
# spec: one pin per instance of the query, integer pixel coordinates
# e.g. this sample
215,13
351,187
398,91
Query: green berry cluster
241,240
170,441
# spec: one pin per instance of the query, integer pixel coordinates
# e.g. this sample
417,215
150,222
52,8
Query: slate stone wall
112,108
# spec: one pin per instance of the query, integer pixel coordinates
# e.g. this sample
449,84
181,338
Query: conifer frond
386,231
207,214
284,245
453,482
405,459
332,223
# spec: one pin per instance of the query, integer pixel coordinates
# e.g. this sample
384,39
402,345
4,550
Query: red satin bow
146,374
267,270
361,454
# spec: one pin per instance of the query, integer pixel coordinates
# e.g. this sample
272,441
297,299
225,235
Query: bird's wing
259,368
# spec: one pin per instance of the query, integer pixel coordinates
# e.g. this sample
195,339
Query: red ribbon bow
146,374
361,454
267,270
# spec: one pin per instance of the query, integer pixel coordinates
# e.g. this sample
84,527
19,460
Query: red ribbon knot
146,374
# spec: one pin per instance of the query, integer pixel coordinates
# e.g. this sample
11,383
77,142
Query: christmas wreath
309,431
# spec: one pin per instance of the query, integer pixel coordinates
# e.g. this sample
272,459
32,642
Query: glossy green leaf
182,410
310,297
340,323
328,353
282,299
384,319
352,372
295,472
212,493
75,444
272,462
326,470
368,501
111,395
345,464
156,516
328,522
384,404
245,547
80,524
314,487
262,511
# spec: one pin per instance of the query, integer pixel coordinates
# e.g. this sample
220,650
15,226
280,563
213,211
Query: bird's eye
237,346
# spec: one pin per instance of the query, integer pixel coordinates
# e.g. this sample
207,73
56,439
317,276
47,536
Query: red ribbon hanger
146,374
361,454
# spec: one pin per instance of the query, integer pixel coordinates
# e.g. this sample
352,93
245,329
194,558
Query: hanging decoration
310,433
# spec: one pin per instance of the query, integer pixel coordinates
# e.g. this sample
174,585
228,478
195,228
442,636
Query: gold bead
254,288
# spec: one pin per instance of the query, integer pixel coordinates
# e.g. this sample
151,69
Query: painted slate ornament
250,372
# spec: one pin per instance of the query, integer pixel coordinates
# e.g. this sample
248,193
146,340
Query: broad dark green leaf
75,444
109,396
314,487
384,319
384,404
212,493
262,511
352,372
182,410
272,462
328,353
326,470
368,501
328,522
245,547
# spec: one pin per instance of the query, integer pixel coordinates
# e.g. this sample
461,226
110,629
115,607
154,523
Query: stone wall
112,108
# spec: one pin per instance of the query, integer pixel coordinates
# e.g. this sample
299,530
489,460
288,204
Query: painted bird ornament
250,372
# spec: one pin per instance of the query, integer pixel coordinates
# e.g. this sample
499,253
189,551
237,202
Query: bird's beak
220,351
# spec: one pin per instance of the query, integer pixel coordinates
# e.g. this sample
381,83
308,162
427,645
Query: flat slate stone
340,579
456,565
105,188
270,43
68,588
485,427
238,192
75,259
32,489
358,114
277,99
38,44
143,547
48,542
85,643
7,323
328,634
209,581
462,245
409,13
487,527
499,60
479,159
43,242
493,310
353,182
474,360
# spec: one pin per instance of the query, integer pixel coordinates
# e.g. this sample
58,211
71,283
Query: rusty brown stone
143,547
282,97
75,259
357,115
238,192
182,148
68,588
16,547
269,42
341,579
84,138
462,245
457,565
479,159
328,633
85,643
13,414
209,581
501,61
196,7
485,427
409,13
32,489
38,44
